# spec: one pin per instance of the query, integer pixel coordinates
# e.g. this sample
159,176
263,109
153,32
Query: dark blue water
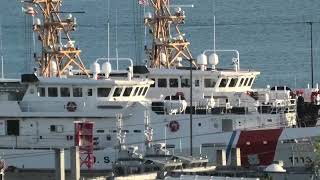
272,36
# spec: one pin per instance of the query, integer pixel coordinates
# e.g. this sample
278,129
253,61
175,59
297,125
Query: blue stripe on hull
230,143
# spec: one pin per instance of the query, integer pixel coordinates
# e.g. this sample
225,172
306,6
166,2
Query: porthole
199,124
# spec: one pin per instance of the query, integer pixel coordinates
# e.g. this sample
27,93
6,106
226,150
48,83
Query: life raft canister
174,126
71,106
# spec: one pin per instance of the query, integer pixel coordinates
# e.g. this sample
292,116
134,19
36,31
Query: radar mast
167,50
59,53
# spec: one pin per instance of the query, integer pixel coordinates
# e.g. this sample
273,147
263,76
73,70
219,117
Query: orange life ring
174,126
71,106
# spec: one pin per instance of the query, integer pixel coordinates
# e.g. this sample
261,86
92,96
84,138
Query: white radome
106,69
95,68
213,59
202,59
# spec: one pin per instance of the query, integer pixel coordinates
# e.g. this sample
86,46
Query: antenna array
59,53
167,50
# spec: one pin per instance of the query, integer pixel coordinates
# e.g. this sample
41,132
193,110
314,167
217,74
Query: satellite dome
106,69
213,59
202,59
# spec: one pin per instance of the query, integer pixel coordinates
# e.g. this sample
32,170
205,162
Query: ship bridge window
90,92
209,83
185,83
145,91
250,82
173,83
127,91
197,83
103,92
117,92
41,91
233,82
77,92
154,83
241,82
140,91
223,83
64,92
245,82
162,83
135,91
52,92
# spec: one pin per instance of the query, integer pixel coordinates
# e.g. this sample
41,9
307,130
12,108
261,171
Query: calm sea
272,36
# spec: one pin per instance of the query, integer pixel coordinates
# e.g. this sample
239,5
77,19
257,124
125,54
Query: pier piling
59,164
75,163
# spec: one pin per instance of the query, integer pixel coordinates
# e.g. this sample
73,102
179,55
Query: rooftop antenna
214,33
117,53
148,130
121,135
311,52
214,27
55,60
1,51
108,22
166,50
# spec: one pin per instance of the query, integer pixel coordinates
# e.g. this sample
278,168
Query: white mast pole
117,53
108,30
1,51
214,34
